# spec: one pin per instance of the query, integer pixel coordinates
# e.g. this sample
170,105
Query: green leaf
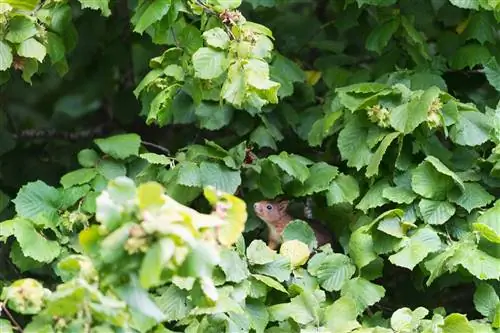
156,158
257,312
209,63
486,300
55,47
269,180
363,292
20,29
399,194
292,165
279,269
220,177
488,224
5,326
361,247
174,303
457,323
23,4
440,167
217,38
473,196
33,244
303,309
372,168
481,27
148,12
296,251
78,177
258,253
120,146
343,189
469,4
270,282
479,263
320,176
189,174
436,212
342,315
31,48
492,72
153,263
35,198
234,267
148,79
333,270
102,5
406,320
285,72
420,244
5,56
469,55
352,143
430,183
301,231
379,37
233,89
405,118
214,116
138,299
471,129
373,198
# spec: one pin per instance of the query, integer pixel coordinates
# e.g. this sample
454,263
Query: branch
17,327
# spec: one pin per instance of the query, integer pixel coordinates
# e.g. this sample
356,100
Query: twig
11,317
154,145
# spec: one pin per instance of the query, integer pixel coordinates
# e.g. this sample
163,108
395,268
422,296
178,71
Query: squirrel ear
283,205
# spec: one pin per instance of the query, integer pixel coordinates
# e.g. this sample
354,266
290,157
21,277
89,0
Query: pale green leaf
469,4
35,198
233,266
270,282
102,5
217,37
20,29
302,308
436,212
486,300
5,326
189,174
423,242
471,129
473,196
374,198
156,158
372,168
33,244
174,303
363,292
492,72
5,56
333,270
279,269
343,189
257,312
120,146
78,177
258,253
361,247
488,224
301,231
31,48
456,323
341,315
209,63
479,263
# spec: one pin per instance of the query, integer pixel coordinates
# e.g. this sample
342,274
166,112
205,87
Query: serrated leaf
303,309
481,27
120,146
5,56
342,315
473,196
78,177
372,168
333,270
343,189
285,72
479,263
174,303
486,300
471,129
291,165
234,267
149,12
421,243
220,177
361,247
156,158
352,144
33,244
405,118
379,37
216,37
214,116
373,198
189,174
102,5
270,282
209,63
469,4
469,55
488,224
280,269
430,183
320,176
492,72
456,323
399,194
436,212
257,312
258,253
31,48
301,231
20,29
363,292
296,251
35,198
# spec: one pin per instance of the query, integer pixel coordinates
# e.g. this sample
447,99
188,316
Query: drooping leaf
120,146
363,292
148,12
102,5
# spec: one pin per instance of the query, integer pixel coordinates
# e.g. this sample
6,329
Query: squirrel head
271,212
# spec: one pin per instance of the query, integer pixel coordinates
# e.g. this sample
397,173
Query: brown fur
275,215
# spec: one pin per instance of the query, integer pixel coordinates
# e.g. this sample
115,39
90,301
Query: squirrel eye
269,207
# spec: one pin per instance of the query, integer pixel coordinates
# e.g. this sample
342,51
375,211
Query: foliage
384,112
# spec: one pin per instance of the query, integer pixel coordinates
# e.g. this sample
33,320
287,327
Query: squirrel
276,217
